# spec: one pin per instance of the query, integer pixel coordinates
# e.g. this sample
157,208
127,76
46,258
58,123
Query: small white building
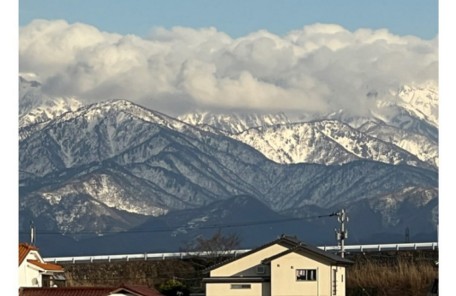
34,272
284,267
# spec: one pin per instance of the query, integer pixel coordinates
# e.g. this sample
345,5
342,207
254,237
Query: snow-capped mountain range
409,122
109,167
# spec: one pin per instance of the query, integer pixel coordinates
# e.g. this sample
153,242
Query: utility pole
342,233
407,235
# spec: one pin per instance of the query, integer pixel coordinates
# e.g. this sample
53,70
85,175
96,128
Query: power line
169,229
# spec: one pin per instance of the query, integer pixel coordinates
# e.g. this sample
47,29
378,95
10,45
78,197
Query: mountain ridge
120,164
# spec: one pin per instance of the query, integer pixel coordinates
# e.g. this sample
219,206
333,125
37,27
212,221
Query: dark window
260,269
53,280
46,281
240,286
306,274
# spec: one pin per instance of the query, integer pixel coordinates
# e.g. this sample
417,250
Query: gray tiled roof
311,251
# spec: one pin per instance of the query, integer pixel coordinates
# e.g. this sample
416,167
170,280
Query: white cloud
322,67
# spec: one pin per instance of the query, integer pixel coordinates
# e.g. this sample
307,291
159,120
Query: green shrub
173,287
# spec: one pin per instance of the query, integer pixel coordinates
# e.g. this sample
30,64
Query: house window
53,280
260,269
240,286
306,274
46,281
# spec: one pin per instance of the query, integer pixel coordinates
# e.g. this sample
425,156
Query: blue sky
239,17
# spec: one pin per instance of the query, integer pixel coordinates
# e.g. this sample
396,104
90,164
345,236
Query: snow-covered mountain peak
37,108
324,142
234,123
118,111
422,101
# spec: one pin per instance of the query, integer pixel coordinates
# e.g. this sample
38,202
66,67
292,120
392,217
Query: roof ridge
24,249
45,265
285,240
312,250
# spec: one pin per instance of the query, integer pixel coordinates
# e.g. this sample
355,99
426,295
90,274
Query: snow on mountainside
75,214
425,148
130,158
407,123
92,133
423,102
233,123
107,167
138,161
406,119
390,206
413,109
324,142
406,108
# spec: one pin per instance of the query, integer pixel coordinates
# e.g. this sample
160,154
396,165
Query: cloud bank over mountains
319,68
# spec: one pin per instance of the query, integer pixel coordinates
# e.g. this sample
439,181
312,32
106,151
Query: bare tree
204,252
215,248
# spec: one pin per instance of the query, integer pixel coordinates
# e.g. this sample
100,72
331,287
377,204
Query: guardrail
182,255
384,247
145,256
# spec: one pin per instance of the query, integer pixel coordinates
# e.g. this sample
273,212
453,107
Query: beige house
284,267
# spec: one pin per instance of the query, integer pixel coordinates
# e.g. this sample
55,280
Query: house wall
282,273
26,275
284,282
246,266
225,289
340,280
27,272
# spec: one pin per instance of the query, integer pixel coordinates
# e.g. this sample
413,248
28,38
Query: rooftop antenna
32,233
